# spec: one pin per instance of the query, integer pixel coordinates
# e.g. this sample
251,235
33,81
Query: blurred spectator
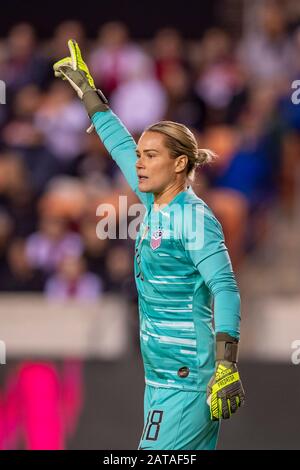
53,241
96,166
73,281
22,64
219,78
254,162
266,51
62,120
13,177
22,135
17,275
65,197
168,51
230,206
184,105
66,30
142,92
119,269
16,193
95,249
6,233
244,183
296,50
115,57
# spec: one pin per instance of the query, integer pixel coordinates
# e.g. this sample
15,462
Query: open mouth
142,178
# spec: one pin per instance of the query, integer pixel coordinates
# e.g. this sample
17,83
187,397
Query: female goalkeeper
181,267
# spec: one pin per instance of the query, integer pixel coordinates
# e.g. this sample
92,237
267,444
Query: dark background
142,18
114,398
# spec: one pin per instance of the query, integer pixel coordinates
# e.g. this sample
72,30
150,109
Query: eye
149,155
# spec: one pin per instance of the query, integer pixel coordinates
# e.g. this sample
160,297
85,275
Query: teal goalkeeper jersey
182,272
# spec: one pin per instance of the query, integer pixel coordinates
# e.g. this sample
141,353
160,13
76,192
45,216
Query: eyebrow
147,150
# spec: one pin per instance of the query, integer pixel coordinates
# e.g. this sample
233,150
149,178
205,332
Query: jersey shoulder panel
190,198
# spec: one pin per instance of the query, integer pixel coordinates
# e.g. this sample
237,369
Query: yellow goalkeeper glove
75,71
225,393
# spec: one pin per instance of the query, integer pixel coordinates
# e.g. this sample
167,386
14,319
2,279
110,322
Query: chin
144,189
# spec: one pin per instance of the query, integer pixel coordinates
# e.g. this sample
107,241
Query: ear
181,163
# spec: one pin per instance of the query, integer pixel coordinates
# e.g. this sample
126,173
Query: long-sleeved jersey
182,272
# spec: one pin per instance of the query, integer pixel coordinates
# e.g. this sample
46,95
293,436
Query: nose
140,164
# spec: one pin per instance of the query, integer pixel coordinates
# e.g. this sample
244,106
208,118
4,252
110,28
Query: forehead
151,140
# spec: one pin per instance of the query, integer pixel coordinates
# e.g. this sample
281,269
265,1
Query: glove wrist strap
226,348
94,101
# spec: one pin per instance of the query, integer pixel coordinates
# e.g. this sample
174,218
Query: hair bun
205,156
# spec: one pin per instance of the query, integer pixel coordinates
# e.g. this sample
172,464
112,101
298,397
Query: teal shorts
177,420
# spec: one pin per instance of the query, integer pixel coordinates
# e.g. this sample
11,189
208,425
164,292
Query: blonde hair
181,141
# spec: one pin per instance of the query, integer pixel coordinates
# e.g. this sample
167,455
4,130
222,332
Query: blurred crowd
235,94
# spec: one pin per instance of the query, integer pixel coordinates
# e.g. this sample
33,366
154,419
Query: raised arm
121,146
114,135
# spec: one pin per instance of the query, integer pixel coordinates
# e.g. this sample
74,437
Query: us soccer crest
156,239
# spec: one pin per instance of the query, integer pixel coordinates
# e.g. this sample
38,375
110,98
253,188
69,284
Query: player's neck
167,195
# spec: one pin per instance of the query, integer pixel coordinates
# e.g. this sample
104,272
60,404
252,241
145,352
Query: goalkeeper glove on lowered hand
75,71
225,393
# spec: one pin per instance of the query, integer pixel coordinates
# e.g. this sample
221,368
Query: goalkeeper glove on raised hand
225,392
75,71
